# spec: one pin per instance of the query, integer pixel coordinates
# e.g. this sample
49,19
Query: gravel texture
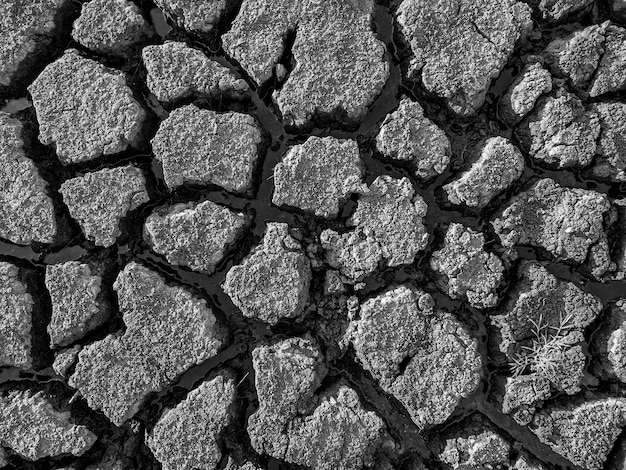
177,71
78,305
117,373
112,27
98,201
85,110
319,175
26,211
197,146
197,236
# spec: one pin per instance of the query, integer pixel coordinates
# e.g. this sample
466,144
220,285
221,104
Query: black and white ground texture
313,234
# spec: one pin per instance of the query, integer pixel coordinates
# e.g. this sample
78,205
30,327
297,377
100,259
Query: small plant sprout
546,344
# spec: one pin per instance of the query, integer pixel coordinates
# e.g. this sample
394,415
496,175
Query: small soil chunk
197,236
177,71
467,44
498,166
610,162
394,215
28,30
186,437
331,431
558,10
100,199
64,359
584,433
340,64
576,56
112,27
32,428
197,146
560,132
85,109
520,98
16,319
476,445
194,16
355,254
400,338
541,327
26,211
272,283
168,330
319,175
78,304
566,222
609,345
407,136
466,270
611,73
523,394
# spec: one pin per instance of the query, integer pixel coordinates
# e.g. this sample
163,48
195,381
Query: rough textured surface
566,222
196,17
113,27
609,345
520,98
77,303
466,270
541,327
407,136
186,437
194,235
27,29
168,330
394,215
576,56
523,393
334,49
100,199
558,10
177,71
197,146
584,434
401,326
64,359
560,132
467,45
16,309
355,254
272,283
611,73
319,175
85,109
32,428
499,165
610,162
476,445
325,432
26,210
